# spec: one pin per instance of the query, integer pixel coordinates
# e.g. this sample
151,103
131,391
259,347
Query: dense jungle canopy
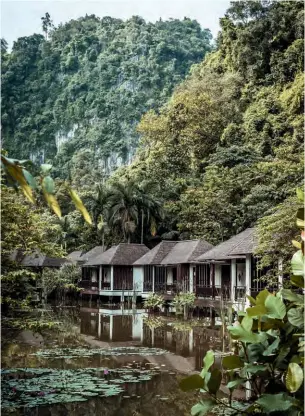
210,138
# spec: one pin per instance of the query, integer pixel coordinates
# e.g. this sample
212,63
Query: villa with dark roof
170,267
233,268
110,273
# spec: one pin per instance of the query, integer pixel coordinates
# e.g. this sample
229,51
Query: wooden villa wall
122,278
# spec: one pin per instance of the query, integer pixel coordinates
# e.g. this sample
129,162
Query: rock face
87,86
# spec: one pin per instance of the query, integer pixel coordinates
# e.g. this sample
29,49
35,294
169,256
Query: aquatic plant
31,387
89,352
153,322
154,301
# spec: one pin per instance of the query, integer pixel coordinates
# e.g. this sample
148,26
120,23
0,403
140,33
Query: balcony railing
240,292
213,292
88,284
163,288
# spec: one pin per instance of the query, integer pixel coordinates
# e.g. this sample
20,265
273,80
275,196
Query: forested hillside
79,91
222,153
227,148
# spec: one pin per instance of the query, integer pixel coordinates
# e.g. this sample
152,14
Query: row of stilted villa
227,271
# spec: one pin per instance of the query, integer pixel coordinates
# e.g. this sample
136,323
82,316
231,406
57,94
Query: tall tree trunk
142,226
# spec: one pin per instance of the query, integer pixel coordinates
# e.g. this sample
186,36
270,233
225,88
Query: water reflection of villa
226,272
126,327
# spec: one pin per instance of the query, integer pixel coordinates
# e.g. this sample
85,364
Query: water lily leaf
294,377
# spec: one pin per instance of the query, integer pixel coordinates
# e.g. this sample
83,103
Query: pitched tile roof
95,251
174,252
241,244
75,255
122,254
186,251
157,254
37,259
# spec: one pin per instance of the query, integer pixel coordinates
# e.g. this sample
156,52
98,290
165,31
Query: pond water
107,362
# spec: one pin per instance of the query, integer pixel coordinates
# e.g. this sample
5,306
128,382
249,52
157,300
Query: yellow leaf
80,206
53,204
16,173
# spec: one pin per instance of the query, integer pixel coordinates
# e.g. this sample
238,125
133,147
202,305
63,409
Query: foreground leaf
297,263
215,381
276,402
53,204
208,361
292,297
294,377
80,206
275,307
235,383
296,317
272,347
192,382
231,362
238,332
202,408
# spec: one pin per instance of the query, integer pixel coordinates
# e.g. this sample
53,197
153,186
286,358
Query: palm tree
123,208
128,202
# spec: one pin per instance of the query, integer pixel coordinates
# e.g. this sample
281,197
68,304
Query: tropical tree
128,204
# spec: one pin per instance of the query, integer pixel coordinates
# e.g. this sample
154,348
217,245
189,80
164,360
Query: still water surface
145,355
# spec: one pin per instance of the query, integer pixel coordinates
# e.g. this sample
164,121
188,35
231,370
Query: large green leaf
208,361
235,383
276,402
296,316
45,168
284,351
262,296
275,307
253,369
258,310
297,281
292,297
272,347
202,408
238,332
30,179
297,263
247,323
215,381
294,377
192,382
230,362
48,184
251,299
